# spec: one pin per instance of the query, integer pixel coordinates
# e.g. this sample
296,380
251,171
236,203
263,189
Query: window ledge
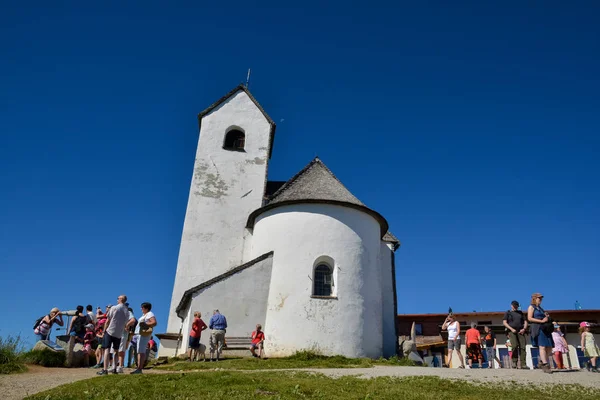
323,297
234,149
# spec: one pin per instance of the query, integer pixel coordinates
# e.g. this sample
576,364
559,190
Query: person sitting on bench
258,337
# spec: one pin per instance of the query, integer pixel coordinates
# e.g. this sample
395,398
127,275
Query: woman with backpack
78,323
43,326
541,331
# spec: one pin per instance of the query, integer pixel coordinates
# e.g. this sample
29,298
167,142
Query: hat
109,306
535,295
584,325
515,303
89,326
556,326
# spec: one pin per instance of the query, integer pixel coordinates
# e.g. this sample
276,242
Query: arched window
323,282
234,140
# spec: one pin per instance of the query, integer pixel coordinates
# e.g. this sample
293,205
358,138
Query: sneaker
97,366
136,372
102,372
113,371
119,370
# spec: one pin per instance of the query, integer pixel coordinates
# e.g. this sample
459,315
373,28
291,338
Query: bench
237,343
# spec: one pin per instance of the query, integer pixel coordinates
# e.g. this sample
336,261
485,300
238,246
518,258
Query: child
87,344
588,345
560,347
99,352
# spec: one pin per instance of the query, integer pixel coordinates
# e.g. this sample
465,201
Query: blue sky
473,128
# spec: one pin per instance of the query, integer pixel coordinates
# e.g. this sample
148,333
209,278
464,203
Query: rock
74,350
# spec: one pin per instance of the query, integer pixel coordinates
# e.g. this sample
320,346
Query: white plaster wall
389,310
241,298
350,325
226,187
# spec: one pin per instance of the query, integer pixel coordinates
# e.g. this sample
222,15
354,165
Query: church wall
351,323
241,298
226,187
389,309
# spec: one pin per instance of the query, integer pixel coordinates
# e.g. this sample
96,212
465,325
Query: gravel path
38,379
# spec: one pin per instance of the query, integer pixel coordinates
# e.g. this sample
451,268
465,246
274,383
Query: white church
305,258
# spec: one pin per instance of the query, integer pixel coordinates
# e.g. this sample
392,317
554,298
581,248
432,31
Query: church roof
235,90
315,183
187,296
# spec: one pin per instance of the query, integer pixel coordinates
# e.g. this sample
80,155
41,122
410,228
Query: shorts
194,343
142,343
474,352
256,345
124,342
109,340
454,344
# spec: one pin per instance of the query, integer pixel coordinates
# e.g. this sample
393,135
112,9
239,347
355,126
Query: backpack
38,321
154,347
80,323
548,326
132,327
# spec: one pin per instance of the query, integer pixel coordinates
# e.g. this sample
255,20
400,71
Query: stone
74,350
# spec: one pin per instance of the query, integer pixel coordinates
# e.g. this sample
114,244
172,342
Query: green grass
266,385
46,358
302,359
10,352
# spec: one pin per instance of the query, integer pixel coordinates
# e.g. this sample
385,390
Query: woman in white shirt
143,332
453,328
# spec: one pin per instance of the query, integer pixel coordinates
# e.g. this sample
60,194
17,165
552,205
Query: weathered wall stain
256,161
208,184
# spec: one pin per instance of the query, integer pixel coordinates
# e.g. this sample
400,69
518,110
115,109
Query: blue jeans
42,337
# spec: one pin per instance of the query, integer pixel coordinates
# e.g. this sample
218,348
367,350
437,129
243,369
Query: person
143,332
258,337
101,316
125,339
117,318
151,348
194,339
473,342
87,344
218,325
560,347
90,312
540,337
43,329
589,346
516,324
508,345
453,328
99,350
78,323
490,347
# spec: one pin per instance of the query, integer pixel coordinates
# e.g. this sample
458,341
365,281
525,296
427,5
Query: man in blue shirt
218,325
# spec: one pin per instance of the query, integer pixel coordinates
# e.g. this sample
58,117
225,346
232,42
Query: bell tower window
235,140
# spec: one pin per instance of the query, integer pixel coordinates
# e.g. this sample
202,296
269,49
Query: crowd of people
107,335
218,326
544,334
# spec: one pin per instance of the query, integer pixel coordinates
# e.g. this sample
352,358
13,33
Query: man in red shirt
473,339
258,337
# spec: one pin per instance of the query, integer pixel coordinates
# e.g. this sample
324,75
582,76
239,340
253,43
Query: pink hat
584,325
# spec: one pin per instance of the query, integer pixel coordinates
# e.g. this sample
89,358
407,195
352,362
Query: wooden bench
237,343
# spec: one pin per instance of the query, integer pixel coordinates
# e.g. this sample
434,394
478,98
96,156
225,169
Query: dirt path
38,379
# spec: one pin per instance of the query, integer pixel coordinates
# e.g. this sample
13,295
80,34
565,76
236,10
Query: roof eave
378,217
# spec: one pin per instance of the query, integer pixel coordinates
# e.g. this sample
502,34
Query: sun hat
537,295
89,326
109,306
584,324
556,326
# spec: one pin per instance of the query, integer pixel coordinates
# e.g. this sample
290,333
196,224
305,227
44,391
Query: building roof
187,296
492,314
315,183
242,88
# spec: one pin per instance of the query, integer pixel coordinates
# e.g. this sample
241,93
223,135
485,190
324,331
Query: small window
323,281
419,329
235,140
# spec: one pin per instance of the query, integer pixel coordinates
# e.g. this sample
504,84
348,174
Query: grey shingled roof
390,238
314,182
